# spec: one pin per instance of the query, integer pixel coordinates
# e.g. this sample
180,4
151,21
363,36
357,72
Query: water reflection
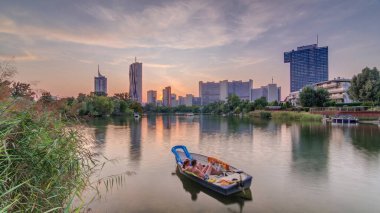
225,125
366,137
310,148
194,189
135,138
152,120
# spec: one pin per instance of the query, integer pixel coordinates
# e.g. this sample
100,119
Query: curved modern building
135,81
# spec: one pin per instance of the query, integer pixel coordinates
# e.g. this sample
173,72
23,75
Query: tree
7,71
46,98
22,90
309,97
322,97
365,86
122,96
260,103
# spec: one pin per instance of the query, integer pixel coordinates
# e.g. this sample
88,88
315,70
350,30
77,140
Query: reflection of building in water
310,147
217,124
152,120
135,147
168,121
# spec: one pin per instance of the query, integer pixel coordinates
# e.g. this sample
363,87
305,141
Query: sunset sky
57,45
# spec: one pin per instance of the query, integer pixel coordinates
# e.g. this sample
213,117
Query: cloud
26,56
178,25
161,66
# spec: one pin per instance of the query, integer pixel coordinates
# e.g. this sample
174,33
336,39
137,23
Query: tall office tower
189,100
100,84
152,97
135,81
181,100
173,100
166,96
308,65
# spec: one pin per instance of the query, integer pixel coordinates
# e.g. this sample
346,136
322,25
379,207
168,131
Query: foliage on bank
365,87
286,115
151,108
44,162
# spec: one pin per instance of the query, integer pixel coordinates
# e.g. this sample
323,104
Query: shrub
43,161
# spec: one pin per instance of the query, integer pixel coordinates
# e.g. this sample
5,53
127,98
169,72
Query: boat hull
232,189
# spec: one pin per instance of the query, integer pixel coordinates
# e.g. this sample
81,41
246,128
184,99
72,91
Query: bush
265,115
43,162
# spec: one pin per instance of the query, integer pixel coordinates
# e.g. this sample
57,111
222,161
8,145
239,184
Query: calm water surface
296,167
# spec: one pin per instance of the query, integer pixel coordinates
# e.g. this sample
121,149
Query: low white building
337,88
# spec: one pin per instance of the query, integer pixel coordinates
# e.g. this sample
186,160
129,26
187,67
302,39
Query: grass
286,115
296,116
43,161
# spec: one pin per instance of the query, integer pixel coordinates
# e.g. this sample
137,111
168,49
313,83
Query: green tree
307,97
322,97
260,103
366,85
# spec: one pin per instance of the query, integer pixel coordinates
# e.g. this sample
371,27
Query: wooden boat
231,181
344,119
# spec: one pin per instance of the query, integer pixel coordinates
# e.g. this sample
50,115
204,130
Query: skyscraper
100,84
308,65
152,97
135,81
166,96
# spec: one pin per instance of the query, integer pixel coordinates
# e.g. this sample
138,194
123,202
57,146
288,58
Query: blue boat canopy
177,157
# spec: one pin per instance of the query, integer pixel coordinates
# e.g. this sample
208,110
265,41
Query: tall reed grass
295,116
44,162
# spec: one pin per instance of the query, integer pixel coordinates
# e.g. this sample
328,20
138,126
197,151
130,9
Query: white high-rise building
100,84
135,81
270,92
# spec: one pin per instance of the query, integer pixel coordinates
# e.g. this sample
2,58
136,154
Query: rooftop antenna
317,39
98,70
272,79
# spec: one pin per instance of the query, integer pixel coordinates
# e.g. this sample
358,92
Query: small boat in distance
344,119
231,181
136,115
189,114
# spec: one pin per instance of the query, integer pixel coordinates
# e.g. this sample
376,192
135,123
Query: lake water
296,167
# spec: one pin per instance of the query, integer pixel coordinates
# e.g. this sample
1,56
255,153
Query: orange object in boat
215,160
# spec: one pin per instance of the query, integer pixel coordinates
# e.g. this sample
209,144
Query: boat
231,181
136,115
344,119
189,114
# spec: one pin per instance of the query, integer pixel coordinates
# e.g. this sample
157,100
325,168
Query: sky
57,45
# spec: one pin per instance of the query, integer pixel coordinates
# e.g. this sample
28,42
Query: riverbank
286,115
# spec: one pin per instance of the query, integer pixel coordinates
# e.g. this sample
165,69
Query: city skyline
197,41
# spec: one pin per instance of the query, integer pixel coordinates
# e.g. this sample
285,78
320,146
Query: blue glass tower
308,65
